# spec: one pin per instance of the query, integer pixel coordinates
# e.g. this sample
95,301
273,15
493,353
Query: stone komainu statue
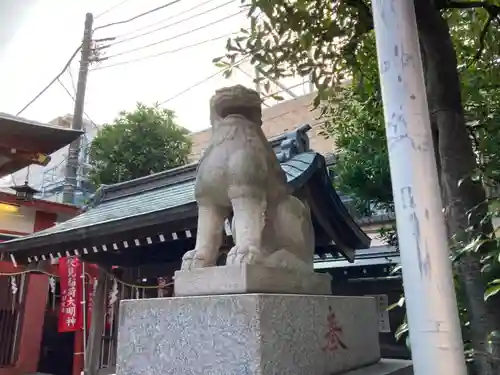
239,171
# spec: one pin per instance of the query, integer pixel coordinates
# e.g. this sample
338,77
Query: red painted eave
40,204
18,135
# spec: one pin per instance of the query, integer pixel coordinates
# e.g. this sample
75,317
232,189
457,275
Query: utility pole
70,176
431,306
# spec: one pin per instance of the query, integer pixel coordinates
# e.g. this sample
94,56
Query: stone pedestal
385,367
247,334
249,278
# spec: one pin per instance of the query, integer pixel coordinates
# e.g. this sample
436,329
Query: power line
170,38
163,53
139,15
74,100
165,19
111,9
170,24
204,80
51,82
73,85
282,90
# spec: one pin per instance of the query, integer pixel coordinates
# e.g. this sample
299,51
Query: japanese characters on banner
70,313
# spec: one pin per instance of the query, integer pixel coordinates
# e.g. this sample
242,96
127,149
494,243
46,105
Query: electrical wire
74,100
204,80
111,9
163,53
170,38
138,16
282,91
170,24
165,19
73,85
51,82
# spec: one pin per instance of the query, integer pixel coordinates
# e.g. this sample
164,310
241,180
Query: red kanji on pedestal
333,335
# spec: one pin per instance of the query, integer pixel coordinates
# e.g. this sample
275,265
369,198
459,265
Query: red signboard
71,312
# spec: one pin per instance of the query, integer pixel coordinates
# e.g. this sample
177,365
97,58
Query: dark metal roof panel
159,199
134,205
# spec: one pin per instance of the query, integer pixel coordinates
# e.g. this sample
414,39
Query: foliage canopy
138,143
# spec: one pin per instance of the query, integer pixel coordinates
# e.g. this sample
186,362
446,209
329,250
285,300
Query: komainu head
236,100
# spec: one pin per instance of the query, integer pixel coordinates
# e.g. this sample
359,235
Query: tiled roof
162,198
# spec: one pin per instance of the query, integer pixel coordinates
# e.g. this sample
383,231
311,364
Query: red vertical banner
70,312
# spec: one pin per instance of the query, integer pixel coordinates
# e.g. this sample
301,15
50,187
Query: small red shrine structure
23,313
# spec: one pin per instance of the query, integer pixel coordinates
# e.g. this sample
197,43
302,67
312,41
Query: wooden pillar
94,343
78,353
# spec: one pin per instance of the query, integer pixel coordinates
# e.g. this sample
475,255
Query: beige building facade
278,119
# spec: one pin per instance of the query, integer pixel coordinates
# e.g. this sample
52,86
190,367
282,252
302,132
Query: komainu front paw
193,259
244,255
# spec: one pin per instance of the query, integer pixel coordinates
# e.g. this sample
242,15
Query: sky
38,37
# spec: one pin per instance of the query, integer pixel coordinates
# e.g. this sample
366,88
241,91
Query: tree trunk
464,199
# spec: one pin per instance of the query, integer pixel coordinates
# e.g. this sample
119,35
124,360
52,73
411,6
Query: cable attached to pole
51,82
74,100
138,16
162,53
165,19
119,41
111,9
204,80
167,39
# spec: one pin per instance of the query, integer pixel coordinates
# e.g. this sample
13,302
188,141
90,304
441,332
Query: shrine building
23,296
137,232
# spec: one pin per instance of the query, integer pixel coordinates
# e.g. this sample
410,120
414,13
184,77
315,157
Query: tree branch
363,26
482,37
493,13
450,4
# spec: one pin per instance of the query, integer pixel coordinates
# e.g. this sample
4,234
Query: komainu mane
239,172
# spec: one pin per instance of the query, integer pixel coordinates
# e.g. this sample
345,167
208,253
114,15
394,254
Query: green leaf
396,269
400,303
140,142
267,86
491,291
402,329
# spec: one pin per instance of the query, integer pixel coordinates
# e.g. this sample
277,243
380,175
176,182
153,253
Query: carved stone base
250,279
385,367
253,334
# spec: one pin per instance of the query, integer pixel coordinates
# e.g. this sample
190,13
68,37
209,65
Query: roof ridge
154,176
183,168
